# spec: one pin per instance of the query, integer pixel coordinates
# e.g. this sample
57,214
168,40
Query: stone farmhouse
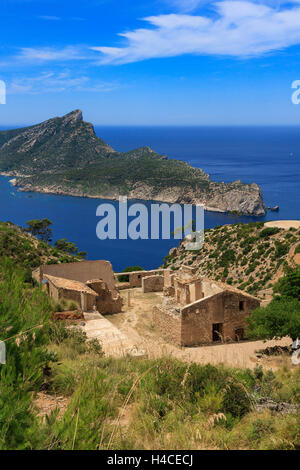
197,311
90,284
194,310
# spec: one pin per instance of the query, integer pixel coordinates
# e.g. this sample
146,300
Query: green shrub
269,231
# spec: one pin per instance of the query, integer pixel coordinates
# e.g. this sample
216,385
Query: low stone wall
152,284
168,325
135,277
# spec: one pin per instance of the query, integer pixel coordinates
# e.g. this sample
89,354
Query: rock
173,252
265,403
274,351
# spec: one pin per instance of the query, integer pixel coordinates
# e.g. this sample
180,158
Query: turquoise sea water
267,156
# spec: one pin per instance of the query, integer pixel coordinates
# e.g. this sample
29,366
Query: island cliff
64,156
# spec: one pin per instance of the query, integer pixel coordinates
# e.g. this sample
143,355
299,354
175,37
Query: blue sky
153,62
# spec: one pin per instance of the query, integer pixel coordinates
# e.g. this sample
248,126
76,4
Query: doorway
217,332
239,334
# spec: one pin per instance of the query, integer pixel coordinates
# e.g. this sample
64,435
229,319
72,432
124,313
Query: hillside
62,393
248,256
26,250
64,156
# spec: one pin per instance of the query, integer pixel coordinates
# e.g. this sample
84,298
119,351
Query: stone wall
198,318
106,302
52,291
84,300
169,291
72,295
135,277
152,284
235,318
168,324
210,287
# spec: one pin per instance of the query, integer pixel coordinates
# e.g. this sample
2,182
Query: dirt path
114,341
283,224
136,323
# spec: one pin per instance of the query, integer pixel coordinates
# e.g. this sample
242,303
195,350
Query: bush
269,231
289,285
279,319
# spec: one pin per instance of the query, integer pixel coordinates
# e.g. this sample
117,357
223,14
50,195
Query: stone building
199,311
90,284
135,278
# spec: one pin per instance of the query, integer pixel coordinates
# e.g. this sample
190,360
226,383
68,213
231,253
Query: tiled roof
61,283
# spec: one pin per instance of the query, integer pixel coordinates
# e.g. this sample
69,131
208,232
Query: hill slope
249,256
63,155
26,250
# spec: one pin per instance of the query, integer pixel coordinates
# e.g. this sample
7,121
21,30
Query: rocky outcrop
241,199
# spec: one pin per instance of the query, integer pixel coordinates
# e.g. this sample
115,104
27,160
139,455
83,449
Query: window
242,305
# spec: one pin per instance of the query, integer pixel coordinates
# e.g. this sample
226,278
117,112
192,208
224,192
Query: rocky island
63,155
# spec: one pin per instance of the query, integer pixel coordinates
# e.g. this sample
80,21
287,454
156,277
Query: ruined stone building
197,311
90,284
149,281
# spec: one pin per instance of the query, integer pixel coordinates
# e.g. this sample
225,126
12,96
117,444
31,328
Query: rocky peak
73,116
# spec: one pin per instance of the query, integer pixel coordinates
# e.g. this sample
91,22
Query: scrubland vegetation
247,256
27,251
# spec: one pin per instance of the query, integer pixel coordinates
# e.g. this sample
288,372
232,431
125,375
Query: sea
268,156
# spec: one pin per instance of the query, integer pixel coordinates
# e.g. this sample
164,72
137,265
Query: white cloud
46,54
58,18
50,18
238,28
51,82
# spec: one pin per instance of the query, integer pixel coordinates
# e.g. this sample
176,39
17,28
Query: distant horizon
20,125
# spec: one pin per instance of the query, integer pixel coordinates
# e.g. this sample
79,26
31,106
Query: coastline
233,202
71,193
41,190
